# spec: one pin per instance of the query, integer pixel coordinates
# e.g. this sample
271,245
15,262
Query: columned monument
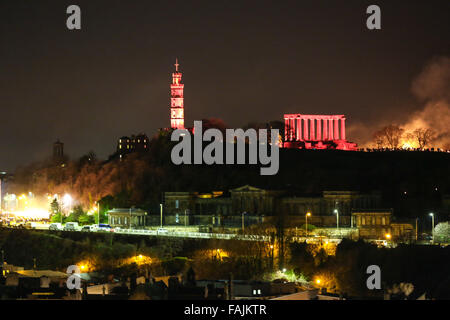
316,132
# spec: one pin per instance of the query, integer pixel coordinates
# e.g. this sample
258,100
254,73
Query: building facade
135,143
378,224
127,218
255,201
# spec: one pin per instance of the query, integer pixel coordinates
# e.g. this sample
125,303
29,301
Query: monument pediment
247,188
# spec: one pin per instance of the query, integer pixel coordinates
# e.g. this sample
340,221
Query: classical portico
316,131
314,127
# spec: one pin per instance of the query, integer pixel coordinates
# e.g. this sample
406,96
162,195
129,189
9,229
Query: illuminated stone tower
176,100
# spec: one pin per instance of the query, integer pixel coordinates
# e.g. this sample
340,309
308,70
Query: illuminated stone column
330,129
325,129
286,129
319,129
292,129
336,129
342,128
305,129
299,129
312,133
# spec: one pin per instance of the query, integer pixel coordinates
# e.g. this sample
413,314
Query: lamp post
130,219
308,214
432,225
161,211
417,219
337,218
243,221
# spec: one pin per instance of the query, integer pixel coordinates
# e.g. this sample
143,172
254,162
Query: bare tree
423,136
389,135
379,139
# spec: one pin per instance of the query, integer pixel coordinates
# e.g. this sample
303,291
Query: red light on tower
176,100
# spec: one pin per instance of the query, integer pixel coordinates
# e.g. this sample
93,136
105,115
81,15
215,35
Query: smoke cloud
432,89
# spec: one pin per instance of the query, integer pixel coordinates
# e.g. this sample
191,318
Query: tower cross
176,65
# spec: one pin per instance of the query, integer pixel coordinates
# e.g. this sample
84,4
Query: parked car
92,228
105,227
55,226
71,226
162,231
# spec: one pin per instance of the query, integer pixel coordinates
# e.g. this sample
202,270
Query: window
177,204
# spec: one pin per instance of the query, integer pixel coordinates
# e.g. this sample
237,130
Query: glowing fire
407,145
32,213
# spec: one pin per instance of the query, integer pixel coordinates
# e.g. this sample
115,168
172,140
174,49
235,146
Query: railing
204,235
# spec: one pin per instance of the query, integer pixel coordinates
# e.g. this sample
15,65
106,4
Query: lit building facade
378,224
316,132
177,100
138,143
261,202
127,218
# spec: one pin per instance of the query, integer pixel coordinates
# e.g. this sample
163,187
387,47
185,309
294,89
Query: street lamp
243,221
308,214
336,212
130,219
161,210
432,225
185,221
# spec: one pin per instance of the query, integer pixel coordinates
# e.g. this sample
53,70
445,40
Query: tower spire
176,99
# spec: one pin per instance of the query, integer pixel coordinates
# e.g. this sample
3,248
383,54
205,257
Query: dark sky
242,61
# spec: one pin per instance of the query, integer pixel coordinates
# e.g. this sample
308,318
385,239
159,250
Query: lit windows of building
135,143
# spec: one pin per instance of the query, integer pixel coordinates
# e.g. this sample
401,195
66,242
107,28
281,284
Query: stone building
378,224
127,218
256,203
135,143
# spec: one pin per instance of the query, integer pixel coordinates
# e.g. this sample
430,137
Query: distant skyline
242,61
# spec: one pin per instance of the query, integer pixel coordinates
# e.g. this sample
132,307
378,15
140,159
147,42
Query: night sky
242,61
